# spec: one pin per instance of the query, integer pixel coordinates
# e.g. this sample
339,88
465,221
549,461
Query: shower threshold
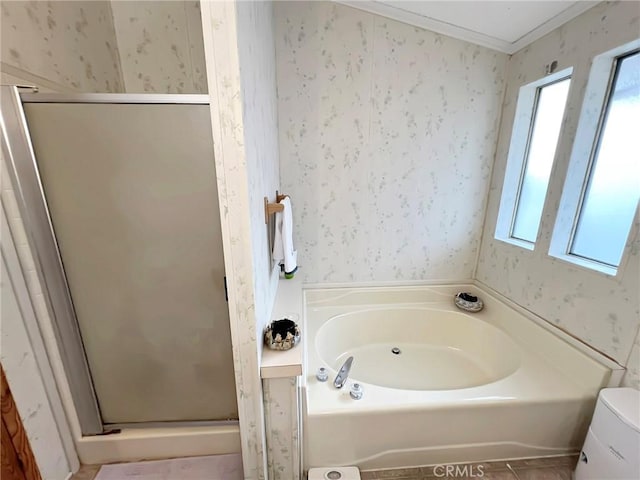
110,427
156,443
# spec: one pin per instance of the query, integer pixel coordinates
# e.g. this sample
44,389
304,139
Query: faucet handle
356,391
322,375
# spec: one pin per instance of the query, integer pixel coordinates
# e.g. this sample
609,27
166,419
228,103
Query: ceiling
506,26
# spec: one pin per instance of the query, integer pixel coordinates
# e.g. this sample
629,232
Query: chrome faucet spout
343,374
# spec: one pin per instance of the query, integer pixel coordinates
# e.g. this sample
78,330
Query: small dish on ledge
282,334
468,302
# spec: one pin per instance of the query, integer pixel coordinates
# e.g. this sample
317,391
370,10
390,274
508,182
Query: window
545,129
602,188
536,129
613,187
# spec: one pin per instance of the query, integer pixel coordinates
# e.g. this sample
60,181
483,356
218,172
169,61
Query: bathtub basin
417,348
463,387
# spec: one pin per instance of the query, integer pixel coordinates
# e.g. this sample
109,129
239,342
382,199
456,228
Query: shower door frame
25,178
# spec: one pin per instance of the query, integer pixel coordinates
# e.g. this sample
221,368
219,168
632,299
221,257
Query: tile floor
555,468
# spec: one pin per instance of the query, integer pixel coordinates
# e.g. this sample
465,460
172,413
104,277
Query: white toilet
612,448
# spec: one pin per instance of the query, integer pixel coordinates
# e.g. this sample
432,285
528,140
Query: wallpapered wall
67,44
602,311
256,51
102,46
240,54
256,48
160,45
387,136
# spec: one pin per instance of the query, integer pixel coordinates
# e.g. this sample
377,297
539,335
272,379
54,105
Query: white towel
283,242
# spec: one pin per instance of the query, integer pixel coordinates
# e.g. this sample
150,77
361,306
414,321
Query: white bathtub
464,387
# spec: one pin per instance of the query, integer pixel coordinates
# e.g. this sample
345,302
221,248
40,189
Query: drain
396,351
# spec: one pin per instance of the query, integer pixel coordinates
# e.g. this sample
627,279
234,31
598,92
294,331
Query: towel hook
271,208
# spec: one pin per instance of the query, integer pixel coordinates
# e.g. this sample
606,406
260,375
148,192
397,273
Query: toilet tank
612,447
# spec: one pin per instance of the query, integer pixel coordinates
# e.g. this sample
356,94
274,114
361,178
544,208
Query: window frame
518,156
584,152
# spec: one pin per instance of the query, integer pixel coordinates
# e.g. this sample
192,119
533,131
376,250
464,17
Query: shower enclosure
119,197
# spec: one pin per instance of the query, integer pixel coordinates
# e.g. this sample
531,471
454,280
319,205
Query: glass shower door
132,197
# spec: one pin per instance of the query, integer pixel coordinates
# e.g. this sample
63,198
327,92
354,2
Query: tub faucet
343,374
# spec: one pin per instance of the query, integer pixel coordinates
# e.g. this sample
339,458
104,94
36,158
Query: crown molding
461,33
550,25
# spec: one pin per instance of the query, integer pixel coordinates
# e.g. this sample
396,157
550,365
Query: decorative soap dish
282,334
468,302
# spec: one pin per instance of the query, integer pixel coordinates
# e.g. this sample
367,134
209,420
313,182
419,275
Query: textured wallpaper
387,137
256,52
161,47
240,52
260,121
600,310
102,46
283,429
72,44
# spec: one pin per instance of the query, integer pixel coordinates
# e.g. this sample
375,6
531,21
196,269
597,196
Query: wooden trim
11,467
13,428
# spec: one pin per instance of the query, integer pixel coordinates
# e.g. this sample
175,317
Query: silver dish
467,305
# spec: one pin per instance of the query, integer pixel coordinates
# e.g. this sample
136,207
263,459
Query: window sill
588,264
518,243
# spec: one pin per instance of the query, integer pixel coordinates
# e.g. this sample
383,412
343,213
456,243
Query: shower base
135,444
